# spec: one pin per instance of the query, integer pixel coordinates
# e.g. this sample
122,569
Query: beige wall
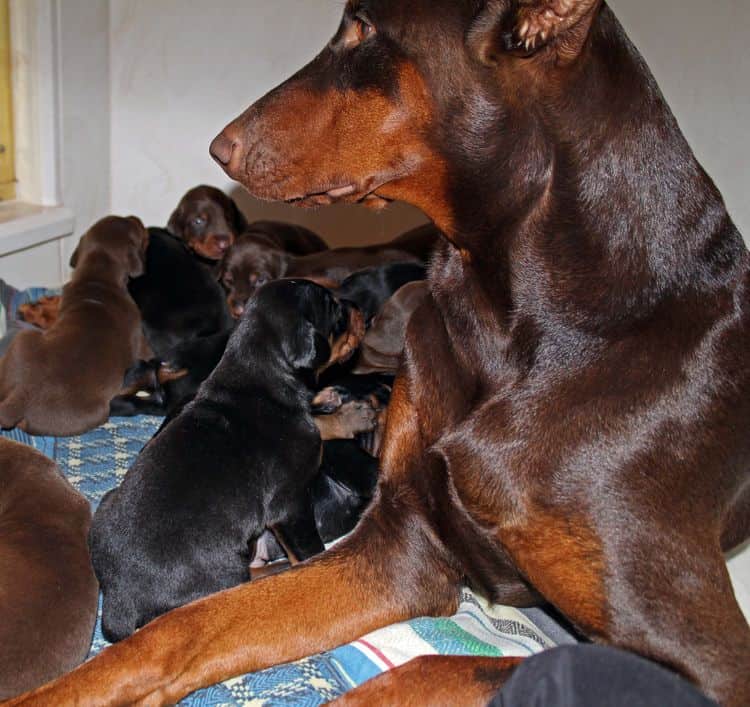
698,53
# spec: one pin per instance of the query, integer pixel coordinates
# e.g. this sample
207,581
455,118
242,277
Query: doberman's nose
222,148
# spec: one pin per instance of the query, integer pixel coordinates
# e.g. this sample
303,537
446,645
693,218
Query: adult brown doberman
571,420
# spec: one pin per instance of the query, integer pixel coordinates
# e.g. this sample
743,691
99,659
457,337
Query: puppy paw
328,400
358,417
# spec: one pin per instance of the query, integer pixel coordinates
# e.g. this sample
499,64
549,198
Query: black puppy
370,289
235,461
164,383
340,492
178,295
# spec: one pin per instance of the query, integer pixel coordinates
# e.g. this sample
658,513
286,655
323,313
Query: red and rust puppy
49,591
209,222
250,263
59,382
570,420
383,346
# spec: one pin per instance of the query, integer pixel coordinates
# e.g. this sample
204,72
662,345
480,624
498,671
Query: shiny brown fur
570,421
49,591
59,382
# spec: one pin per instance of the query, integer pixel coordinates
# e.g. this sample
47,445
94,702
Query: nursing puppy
59,382
237,460
48,591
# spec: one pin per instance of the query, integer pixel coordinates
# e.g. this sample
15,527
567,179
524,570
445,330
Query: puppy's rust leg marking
434,681
349,420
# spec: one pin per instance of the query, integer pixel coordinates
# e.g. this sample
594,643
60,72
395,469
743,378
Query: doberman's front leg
660,593
388,571
435,681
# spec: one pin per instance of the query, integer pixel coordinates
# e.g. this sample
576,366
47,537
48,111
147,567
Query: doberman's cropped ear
526,26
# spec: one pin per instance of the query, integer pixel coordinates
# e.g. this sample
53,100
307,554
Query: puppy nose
222,148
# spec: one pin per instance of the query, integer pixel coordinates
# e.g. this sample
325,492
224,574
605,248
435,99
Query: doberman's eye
363,28
198,221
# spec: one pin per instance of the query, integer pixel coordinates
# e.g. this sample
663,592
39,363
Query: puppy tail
118,617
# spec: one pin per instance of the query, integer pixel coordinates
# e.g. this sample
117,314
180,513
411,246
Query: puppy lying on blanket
59,382
48,592
237,460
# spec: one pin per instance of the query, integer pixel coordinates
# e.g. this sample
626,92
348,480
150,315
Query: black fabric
594,676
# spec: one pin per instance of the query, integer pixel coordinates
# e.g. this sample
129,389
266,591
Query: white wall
85,134
698,53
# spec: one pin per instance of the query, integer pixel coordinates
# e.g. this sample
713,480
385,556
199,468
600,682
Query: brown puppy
383,346
60,381
209,222
250,263
48,591
570,422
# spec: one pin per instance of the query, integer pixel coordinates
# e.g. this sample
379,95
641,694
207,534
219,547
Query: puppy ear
175,224
526,26
137,257
236,218
306,349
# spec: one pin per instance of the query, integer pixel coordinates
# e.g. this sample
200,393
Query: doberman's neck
607,212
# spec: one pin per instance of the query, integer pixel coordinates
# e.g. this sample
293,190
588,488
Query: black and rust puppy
370,289
209,222
235,461
48,591
341,400
178,296
162,384
340,492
